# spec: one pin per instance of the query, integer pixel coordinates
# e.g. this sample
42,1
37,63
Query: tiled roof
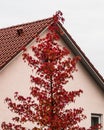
14,38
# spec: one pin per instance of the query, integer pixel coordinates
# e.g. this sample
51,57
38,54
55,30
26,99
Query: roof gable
14,38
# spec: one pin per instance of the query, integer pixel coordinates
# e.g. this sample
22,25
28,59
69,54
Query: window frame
100,119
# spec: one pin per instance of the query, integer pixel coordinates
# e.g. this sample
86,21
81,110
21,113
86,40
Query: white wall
16,77
92,99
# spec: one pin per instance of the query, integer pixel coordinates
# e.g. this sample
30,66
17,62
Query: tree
48,98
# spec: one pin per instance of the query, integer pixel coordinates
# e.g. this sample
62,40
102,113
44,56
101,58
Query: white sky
84,20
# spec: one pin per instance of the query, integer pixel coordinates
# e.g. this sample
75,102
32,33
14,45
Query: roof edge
18,25
85,61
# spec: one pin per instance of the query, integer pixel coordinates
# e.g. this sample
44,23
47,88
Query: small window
96,119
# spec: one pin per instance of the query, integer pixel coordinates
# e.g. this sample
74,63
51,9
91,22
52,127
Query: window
96,119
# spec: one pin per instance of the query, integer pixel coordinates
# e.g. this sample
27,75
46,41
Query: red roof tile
11,40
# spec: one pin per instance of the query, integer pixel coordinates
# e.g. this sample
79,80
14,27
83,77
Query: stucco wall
16,77
92,99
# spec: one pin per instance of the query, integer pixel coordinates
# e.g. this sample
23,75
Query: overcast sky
84,20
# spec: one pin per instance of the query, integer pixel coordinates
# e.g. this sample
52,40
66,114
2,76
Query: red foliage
54,68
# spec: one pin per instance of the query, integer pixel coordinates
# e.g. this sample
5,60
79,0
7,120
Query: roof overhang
84,60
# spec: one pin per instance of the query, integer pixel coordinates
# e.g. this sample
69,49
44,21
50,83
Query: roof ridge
23,24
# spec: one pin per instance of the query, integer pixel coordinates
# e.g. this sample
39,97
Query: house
15,74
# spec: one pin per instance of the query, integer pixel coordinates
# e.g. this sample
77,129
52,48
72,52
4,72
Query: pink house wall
16,77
